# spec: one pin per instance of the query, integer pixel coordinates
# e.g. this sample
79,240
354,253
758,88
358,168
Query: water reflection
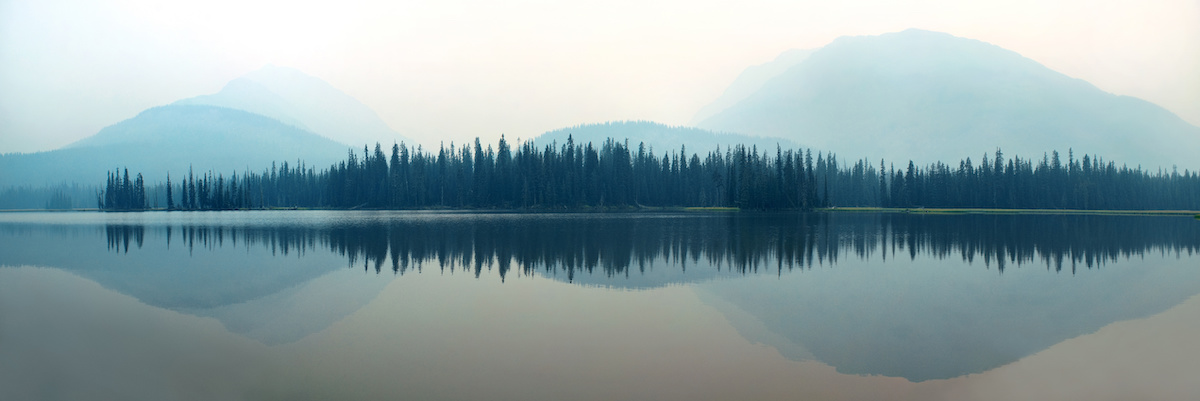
741,243
119,236
915,296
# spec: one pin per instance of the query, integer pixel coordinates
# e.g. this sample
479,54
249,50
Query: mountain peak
304,101
172,139
273,75
930,96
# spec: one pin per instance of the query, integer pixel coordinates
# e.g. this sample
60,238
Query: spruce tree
170,197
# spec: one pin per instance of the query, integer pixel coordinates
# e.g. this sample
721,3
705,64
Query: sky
453,70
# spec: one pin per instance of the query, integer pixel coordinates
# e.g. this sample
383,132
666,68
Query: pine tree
170,197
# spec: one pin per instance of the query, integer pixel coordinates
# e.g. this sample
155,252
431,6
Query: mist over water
1010,218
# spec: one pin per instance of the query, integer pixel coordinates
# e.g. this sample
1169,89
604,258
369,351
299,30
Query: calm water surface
423,305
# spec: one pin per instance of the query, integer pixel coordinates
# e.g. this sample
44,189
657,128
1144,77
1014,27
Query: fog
454,70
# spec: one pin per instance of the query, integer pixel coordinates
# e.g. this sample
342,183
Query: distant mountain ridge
929,96
304,101
659,137
270,115
172,139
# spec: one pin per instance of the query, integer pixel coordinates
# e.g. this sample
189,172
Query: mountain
926,336
750,81
929,96
171,139
271,303
303,101
661,138
270,115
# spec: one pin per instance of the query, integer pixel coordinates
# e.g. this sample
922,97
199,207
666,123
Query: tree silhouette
612,176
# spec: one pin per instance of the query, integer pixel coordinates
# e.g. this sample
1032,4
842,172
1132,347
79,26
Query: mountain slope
931,96
661,138
304,101
248,95
170,139
750,81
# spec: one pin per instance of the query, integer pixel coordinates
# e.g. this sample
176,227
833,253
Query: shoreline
932,211
1013,211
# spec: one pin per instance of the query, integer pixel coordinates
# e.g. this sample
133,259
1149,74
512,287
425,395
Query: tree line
122,194
613,175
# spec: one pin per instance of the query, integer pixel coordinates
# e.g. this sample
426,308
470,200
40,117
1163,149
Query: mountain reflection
734,243
916,296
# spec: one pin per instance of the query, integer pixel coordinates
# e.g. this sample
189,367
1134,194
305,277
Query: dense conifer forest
122,194
614,175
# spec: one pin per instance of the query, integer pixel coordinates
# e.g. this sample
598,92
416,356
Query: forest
613,176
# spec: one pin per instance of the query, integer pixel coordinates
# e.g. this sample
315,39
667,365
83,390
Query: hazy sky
455,70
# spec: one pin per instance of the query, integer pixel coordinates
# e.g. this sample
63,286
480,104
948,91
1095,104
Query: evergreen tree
170,197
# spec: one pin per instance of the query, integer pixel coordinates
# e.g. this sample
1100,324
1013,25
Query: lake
457,305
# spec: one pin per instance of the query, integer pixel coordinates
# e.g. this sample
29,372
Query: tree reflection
119,236
740,243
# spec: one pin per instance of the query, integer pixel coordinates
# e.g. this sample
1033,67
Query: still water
438,305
